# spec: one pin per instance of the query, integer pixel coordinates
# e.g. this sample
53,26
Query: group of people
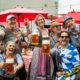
61,62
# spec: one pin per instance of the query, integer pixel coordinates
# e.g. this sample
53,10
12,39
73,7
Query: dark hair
2,26
67,33
70,18
64,32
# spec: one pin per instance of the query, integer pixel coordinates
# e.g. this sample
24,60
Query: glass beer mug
46,46
9,68
35,38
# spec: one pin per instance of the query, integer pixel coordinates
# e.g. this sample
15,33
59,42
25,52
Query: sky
68,5
45,5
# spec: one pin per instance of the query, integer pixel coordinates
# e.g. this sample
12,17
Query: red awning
21,13
73,14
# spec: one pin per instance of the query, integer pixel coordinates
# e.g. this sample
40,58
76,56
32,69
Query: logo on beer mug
46,46
9,68
35,38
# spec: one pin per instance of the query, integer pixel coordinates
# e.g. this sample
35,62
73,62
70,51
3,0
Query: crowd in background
58,59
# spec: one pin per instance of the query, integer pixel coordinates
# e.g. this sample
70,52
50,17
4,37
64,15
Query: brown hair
67,33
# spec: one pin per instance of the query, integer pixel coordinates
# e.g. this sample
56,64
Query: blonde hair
7,44
36,18
54,24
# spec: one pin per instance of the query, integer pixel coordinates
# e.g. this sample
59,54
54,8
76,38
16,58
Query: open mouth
41,23
63,40
11,50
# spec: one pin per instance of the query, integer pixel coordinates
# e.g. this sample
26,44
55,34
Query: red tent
21,13
73,14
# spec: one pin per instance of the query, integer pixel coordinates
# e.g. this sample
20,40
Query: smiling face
26,22
55,29
64,38
12,22
69,23
40,21
10,48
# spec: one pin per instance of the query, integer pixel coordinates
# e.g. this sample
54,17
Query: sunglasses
55,26
64,36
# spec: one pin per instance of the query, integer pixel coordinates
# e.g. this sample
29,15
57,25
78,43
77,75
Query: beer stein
35,38
46,46
9,68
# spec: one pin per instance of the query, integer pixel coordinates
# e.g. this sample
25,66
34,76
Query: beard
69,25
12,26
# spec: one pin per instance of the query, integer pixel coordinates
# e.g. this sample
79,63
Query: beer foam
10,60
44,36
35,33
46,42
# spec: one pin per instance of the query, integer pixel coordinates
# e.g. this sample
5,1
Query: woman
41,62
68,58
54,41
10,62
55,30
27,56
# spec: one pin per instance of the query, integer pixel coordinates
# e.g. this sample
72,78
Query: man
72,28
14,34
26,29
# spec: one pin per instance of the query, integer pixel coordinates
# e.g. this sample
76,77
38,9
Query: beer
35,38
46,46
9,69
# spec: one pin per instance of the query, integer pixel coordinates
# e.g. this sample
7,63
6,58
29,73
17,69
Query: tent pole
18,15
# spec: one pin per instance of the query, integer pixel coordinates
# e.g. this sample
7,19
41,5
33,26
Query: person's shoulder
77,26
7,30
71,47
1,55
2,26
17,55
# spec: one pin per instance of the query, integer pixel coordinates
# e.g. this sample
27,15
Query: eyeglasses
64,36
55,26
